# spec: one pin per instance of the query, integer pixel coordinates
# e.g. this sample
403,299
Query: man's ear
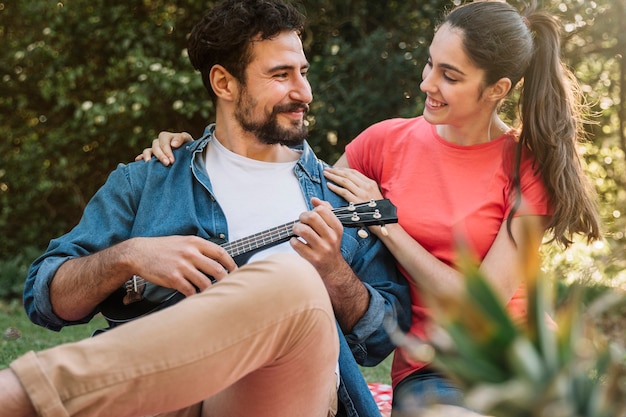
223,83
499,89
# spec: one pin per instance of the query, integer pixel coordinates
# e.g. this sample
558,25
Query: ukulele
138,297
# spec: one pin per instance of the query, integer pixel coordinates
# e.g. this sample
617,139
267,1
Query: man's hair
225,34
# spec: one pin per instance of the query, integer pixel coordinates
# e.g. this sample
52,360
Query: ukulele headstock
370,213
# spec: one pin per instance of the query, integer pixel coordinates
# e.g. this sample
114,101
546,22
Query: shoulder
308,157
390,135
384,127
140,174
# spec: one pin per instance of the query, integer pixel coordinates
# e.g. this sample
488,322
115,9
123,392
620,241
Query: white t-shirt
272,186
254,195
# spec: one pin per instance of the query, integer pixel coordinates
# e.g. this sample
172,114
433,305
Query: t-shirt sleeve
365,151
535,198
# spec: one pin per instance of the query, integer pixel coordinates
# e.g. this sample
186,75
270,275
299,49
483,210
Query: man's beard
268,130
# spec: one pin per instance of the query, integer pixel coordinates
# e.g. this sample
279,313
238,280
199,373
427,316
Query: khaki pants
262,342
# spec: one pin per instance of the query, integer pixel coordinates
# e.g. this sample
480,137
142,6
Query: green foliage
367,60
603,262
85,85
18,335
531,369
13,271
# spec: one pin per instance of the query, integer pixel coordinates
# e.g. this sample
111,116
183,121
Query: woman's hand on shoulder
353,186
162,147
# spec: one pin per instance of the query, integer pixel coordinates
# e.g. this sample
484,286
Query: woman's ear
224,85
499,89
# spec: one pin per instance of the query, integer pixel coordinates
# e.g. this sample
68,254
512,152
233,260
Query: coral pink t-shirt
444,191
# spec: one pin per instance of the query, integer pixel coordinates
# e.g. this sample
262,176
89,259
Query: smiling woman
458,100
463,179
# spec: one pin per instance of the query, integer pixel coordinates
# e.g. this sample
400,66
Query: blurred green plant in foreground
543,367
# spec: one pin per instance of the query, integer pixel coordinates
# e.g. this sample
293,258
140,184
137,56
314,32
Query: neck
247,145
472,135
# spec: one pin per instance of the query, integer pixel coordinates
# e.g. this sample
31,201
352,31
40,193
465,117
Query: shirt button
222,236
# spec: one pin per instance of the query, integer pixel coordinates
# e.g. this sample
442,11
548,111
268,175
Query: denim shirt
149,199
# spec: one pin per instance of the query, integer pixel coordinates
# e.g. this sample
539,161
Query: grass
32,337
13,320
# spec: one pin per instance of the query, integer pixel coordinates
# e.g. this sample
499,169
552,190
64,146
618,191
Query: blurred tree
367,59
595,49
85,85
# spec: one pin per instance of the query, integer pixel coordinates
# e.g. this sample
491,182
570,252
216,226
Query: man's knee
295,276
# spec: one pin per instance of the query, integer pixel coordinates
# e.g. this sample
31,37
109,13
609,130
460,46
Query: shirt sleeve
364,152
535,198
107,219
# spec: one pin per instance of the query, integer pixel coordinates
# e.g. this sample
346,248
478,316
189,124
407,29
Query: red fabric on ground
382,395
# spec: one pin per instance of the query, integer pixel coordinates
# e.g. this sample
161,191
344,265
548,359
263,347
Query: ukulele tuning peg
372,203
351,207
362,233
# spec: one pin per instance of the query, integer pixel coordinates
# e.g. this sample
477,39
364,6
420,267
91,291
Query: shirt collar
307,163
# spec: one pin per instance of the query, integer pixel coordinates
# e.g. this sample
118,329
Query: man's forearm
349,297
80,284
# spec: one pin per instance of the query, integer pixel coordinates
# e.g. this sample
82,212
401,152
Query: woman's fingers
352,185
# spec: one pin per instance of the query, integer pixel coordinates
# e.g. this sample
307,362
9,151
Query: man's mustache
291,107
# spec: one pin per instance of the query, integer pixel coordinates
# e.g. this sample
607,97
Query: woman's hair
525,48
225,34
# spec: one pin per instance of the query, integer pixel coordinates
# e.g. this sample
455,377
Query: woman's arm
502,266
